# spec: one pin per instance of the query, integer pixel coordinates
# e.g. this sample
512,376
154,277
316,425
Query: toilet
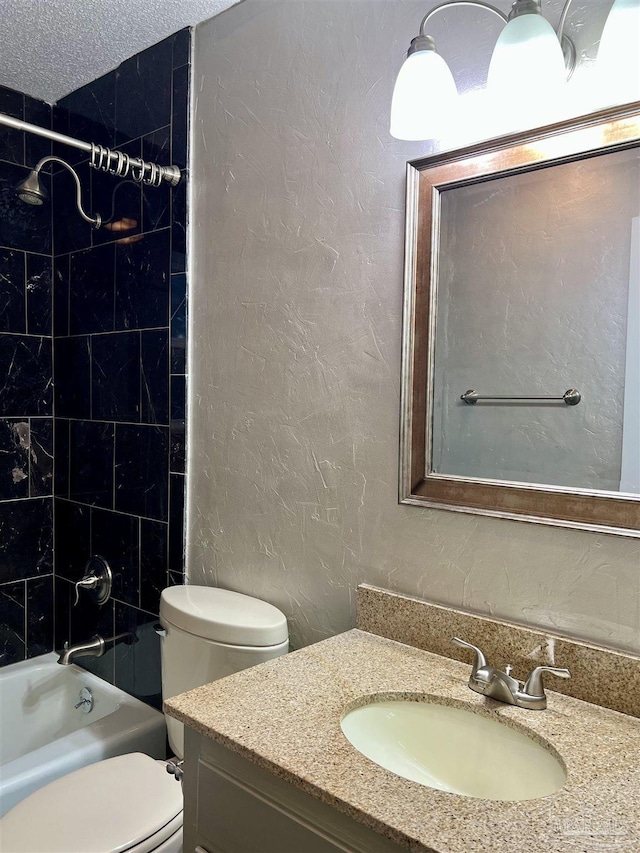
130,804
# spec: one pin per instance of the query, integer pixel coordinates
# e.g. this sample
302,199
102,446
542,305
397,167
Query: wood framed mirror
521,330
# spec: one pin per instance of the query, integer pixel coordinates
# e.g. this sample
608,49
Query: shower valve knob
84,583
97,578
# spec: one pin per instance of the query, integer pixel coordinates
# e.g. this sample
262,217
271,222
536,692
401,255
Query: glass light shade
527,60
424,97
618,60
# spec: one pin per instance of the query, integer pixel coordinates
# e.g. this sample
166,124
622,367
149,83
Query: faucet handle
87,582
479,661
97,577
533,685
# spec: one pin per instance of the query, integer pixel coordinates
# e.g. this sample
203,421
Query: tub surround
92,414
119,353
285,717
26,394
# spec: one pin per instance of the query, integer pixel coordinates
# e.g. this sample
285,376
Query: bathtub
44,737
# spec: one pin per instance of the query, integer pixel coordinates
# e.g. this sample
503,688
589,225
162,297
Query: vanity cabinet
233,806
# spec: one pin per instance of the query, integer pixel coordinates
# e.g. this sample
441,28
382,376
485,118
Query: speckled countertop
284,715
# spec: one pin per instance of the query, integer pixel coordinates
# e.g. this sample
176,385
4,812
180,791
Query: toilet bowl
130,804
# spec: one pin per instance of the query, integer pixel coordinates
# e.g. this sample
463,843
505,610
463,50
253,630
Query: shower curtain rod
114,162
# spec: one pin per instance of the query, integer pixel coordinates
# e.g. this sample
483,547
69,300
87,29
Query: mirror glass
521,362
537,283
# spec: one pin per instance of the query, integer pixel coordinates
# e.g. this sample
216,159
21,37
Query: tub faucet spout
93,648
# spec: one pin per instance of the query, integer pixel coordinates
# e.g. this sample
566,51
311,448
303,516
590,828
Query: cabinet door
234,806
233,819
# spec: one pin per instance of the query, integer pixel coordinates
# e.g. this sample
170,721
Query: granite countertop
284,715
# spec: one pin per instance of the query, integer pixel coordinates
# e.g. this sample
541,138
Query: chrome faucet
503,687
93,648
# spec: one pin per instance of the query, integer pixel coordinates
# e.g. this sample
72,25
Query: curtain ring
114,167
119,167
120,164
103,161
153,172
124,166
138,176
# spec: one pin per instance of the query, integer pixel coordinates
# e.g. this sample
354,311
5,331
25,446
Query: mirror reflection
521,351
537,293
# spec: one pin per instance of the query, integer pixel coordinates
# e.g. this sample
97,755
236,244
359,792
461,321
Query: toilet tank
209,633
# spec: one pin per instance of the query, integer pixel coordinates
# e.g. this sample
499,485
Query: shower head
30,190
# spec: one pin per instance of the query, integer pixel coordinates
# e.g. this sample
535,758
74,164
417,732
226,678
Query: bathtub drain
86,701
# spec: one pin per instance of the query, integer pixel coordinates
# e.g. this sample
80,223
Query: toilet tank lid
223,616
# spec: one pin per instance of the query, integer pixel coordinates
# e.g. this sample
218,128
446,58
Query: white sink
453,750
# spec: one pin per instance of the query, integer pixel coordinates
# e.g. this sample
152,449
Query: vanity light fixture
530,62
619,51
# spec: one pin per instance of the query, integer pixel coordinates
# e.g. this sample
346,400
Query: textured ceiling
51,47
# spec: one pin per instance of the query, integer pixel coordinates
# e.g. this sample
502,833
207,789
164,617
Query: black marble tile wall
26,394
132,657
119,323
26,542
89,114
23,226
26,387
26,564
93,325
26,619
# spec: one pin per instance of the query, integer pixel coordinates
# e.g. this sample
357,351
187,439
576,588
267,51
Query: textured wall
298,219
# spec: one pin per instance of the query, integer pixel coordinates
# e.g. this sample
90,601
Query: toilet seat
126,804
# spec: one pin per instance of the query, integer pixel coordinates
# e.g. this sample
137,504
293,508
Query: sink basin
452,749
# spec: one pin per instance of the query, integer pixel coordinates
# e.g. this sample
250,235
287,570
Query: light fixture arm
563,19
525,7
568,47
449,3
96,220
518,8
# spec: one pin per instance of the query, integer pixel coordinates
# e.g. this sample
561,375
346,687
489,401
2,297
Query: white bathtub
43,736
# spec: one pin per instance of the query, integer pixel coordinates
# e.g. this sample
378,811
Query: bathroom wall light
527,60
618,57
418,110
530,63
